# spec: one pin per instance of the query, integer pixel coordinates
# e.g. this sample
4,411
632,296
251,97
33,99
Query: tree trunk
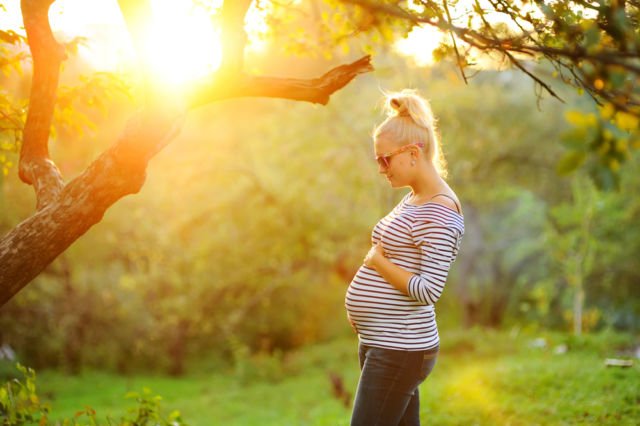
578,302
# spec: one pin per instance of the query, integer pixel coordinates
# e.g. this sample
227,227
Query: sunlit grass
471,386
481,378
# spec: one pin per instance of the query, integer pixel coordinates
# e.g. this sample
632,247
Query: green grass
481,378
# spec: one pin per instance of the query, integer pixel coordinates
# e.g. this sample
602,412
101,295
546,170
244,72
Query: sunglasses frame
383,160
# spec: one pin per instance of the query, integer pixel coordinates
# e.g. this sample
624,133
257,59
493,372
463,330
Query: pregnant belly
370,298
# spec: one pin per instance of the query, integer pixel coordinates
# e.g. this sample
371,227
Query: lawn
482,377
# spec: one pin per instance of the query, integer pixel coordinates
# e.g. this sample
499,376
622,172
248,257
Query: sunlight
470,386
10,17
105,45
181,43
420,44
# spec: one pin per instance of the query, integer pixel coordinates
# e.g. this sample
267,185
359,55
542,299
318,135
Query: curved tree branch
316,90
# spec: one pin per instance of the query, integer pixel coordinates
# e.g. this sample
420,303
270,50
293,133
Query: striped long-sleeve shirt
424,240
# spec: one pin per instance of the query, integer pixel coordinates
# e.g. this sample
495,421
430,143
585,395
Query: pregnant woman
390,301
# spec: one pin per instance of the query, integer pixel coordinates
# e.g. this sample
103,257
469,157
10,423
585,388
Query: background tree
573,244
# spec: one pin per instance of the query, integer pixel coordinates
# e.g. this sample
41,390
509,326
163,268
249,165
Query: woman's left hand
374,255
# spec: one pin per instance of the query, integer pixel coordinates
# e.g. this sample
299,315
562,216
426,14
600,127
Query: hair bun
408,103
399,106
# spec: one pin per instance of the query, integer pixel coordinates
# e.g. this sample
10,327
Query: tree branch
36,168
317,90
28,248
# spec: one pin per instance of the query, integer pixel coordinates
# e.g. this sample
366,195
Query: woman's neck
427,183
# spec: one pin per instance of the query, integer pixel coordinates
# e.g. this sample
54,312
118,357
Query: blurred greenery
244,237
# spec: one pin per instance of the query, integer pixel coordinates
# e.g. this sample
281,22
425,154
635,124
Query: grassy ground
481,378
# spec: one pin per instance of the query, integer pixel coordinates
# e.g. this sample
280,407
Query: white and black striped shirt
424,240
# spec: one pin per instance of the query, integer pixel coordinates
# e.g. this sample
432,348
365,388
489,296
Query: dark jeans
387,393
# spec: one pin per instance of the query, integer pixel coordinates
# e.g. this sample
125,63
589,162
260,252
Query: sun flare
420,44
181,43
181,39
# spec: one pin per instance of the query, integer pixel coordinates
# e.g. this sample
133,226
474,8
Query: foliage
79,106
611,135
148,411
12,107
20,405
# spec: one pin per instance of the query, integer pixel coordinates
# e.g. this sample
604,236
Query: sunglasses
383,160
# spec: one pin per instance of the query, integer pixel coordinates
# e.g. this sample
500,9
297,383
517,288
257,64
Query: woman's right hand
373,256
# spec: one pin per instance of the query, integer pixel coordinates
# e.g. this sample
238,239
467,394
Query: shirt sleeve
438,246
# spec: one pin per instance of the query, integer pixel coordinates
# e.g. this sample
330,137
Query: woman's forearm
393,274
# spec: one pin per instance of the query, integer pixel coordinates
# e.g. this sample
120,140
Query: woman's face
392,162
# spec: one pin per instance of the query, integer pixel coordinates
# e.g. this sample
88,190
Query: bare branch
317,90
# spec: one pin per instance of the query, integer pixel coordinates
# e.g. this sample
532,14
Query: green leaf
570,162
577,139
604,178
592,38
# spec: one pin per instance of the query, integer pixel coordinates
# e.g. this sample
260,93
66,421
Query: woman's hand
374,255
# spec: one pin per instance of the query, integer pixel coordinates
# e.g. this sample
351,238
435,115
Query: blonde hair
410,120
